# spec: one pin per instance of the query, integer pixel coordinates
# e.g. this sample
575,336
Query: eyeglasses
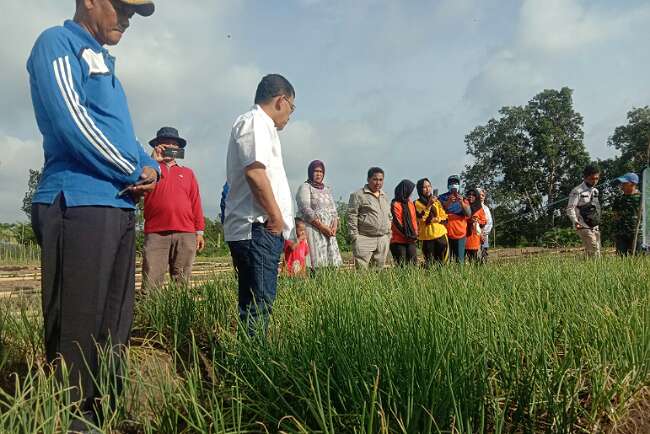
291,105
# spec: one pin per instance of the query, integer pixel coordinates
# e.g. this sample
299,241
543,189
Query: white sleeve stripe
76,115
111,148
69,103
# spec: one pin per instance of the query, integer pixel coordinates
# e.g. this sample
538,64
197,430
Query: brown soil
636,420
8,376
14,268
154,368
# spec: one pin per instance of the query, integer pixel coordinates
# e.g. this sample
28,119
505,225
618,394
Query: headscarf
425,201
310,174
420,188
403,195
476,205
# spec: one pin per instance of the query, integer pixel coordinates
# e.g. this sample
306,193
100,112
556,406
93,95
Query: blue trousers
256,262
457,250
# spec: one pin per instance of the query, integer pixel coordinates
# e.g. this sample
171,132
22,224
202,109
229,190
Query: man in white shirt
259,206
583,210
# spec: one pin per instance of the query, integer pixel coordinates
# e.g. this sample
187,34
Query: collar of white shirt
264,115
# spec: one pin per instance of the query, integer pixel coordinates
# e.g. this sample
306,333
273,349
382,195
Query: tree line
530,157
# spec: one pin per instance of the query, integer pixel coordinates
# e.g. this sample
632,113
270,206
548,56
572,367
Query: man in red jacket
173,217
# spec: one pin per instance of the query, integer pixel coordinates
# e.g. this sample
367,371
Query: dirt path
24,280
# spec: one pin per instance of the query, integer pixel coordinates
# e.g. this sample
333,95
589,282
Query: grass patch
552,345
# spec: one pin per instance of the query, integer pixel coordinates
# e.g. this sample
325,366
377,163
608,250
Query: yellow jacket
434,229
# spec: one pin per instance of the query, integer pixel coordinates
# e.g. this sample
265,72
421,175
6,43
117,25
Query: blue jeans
457,250
256,262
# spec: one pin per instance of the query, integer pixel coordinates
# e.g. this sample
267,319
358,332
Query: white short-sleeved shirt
254,138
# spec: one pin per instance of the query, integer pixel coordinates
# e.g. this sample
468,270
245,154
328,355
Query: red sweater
175,204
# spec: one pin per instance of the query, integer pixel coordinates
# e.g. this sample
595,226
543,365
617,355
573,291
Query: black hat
168,133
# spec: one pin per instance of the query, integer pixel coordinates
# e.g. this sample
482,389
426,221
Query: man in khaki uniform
583,210
369,222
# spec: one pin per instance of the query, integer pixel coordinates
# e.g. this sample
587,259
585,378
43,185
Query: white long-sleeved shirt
488,226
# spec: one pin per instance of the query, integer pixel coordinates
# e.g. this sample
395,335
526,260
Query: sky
395,84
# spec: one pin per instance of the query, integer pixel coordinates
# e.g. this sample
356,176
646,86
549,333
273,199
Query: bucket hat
168,133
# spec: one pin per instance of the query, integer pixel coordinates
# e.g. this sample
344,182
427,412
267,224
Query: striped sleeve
57,76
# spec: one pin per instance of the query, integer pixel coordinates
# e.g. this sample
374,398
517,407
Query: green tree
32,183
528,158
342,234
632,140
23,233
214,243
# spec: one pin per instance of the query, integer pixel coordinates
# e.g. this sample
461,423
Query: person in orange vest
475,224
404,227
457,209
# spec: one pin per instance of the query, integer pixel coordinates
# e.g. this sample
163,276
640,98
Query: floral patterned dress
317,204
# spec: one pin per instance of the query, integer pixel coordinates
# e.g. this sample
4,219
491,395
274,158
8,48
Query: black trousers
472,256
484,254
404,254
88,285
435,250
625,244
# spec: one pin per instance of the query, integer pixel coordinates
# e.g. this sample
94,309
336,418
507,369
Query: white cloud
587,46
379,82
18,156
556,26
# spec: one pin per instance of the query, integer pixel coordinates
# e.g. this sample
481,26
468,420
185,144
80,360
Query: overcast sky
379,82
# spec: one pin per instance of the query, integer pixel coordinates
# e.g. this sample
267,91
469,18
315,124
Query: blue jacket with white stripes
91,151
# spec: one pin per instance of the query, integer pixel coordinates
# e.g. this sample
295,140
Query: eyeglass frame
292,106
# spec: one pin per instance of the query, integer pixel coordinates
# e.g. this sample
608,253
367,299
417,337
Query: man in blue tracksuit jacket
85,227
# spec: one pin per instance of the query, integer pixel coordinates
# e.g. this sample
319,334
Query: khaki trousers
167,251
370,251
591,241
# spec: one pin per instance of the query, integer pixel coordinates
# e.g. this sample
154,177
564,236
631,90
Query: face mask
454,187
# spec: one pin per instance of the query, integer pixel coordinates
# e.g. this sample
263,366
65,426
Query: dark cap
141,7
168,133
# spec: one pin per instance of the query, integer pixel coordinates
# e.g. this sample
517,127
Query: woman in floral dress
316,207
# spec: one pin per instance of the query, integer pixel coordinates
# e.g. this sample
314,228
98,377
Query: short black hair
591,169
373,170
298,220
273,85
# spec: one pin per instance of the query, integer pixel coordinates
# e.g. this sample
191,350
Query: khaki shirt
368,214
